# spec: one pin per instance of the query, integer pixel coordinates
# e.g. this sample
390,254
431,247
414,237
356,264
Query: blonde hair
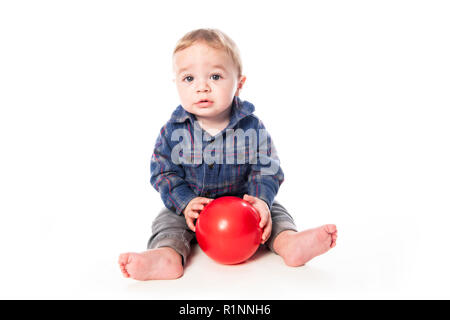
215,39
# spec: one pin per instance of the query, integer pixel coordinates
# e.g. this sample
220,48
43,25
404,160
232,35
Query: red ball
228,231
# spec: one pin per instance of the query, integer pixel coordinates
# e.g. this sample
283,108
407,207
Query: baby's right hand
193,209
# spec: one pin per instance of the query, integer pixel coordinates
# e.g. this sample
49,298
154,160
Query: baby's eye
216,76
188,78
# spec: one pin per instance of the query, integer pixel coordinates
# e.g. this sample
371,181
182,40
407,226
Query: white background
354,93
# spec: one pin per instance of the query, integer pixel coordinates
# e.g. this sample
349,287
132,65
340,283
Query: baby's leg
297,248
168,247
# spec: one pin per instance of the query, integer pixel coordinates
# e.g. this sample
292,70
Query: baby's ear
240,85
242,81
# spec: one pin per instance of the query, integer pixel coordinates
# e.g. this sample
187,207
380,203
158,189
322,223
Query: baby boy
214,146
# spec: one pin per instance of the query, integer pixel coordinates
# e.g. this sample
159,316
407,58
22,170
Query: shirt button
211,165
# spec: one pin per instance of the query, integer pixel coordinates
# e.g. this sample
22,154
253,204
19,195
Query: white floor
77,259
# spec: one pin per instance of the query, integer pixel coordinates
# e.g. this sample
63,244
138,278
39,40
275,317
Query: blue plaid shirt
178,182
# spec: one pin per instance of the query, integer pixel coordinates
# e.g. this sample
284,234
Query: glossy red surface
228,231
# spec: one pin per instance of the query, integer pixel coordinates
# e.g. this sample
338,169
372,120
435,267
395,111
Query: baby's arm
264,179
265,176
167,177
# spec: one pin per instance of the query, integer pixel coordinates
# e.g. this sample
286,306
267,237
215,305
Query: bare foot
155,264
297,248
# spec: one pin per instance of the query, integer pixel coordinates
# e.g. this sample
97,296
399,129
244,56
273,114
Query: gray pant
171,230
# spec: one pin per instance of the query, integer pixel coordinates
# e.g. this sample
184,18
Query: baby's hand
264,213
193,209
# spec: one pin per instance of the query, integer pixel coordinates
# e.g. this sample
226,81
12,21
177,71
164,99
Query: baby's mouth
204,103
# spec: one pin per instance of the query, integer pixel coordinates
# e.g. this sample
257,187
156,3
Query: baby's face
207,81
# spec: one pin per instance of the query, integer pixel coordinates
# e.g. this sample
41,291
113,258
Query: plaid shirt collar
240,109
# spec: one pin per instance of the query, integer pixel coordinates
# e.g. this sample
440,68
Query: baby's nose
203,86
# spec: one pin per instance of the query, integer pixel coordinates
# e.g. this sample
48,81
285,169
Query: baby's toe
123,258
124,261
333,242
330,228
124,272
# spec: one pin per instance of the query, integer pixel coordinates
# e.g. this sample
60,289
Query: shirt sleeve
168,178
265,175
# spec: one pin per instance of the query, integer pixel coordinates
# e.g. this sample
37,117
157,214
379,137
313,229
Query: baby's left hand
264,213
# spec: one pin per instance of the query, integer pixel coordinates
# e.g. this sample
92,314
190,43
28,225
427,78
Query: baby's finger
190,223
197,206
204,200
266,233
192,214
249,198
264,219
